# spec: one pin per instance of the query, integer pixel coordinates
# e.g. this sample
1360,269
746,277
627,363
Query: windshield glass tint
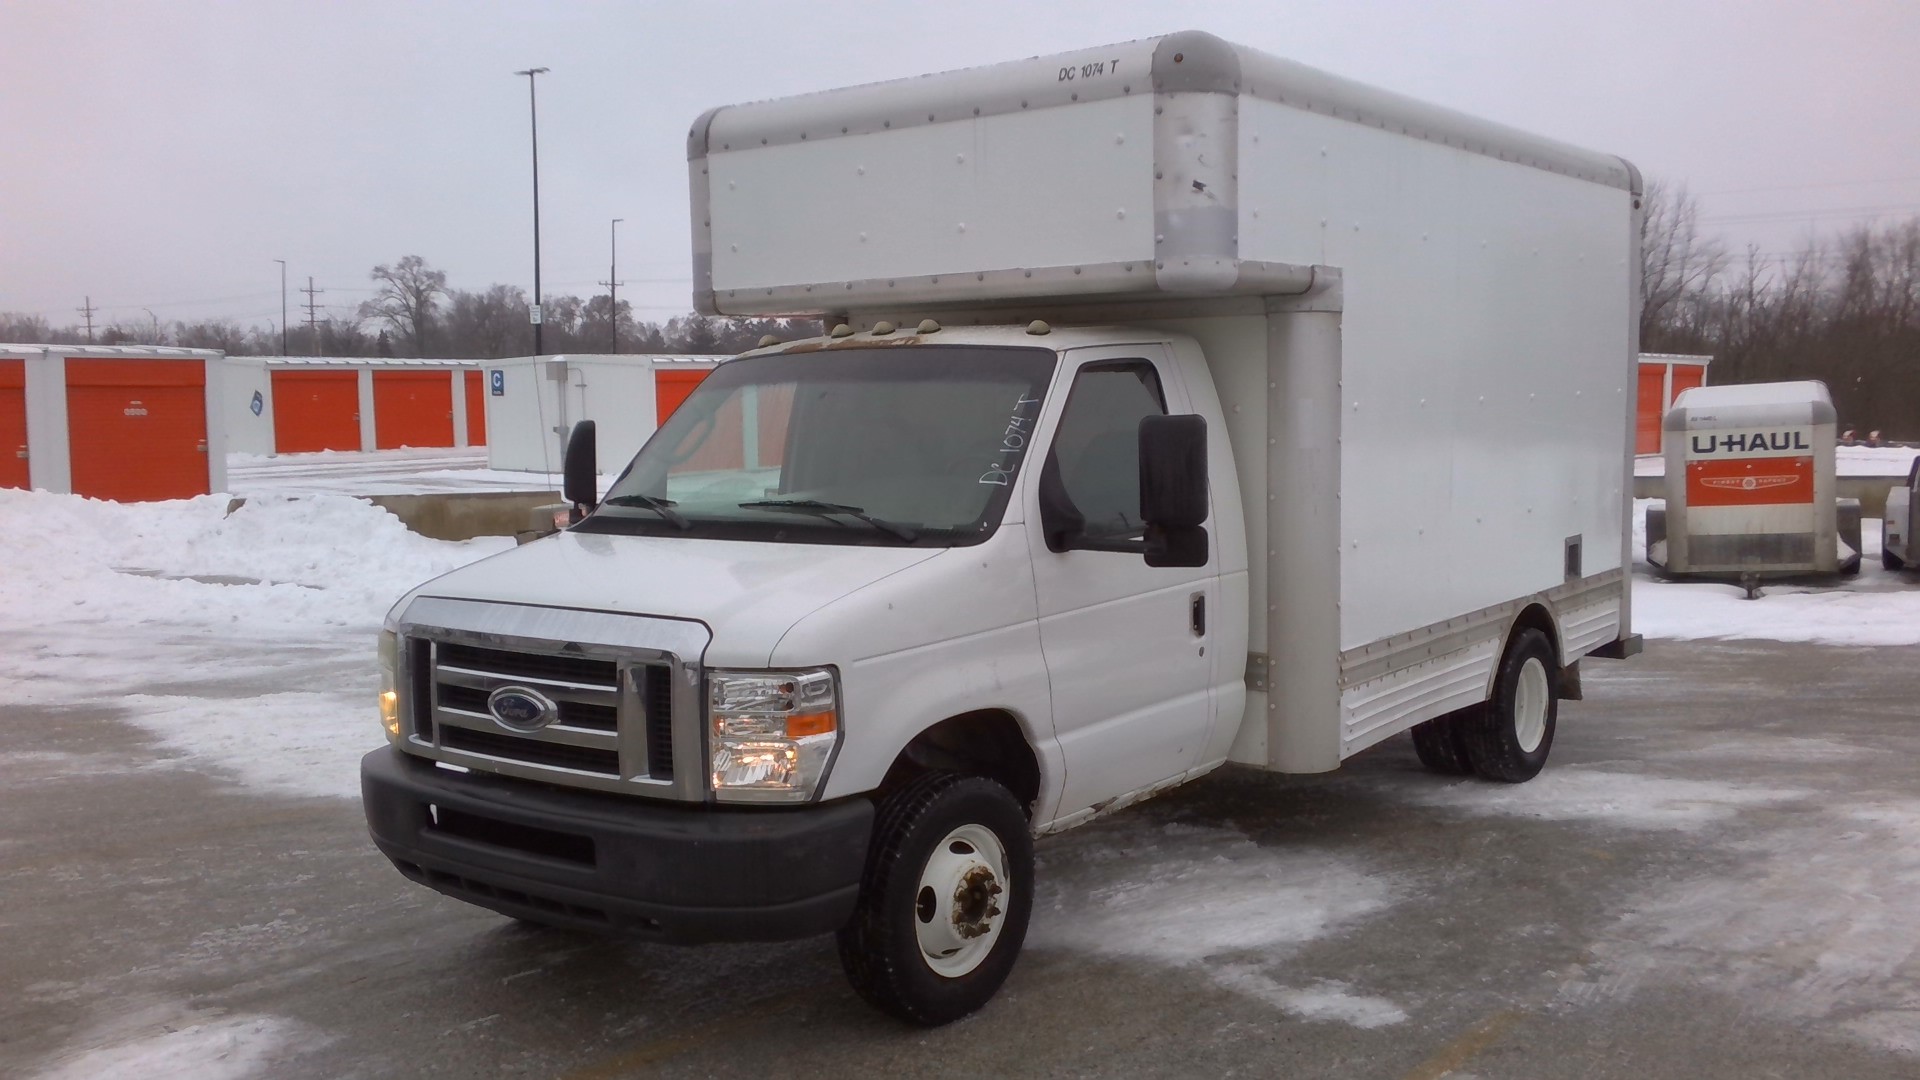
898,445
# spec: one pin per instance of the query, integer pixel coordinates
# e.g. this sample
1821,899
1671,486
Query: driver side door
1125,643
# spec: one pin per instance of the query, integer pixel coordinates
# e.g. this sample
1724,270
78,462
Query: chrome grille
613,717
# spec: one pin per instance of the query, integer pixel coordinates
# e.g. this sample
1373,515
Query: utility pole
613,283
313,319
283,305
87,313
533,112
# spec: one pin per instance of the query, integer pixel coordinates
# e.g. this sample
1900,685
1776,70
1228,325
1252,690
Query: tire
908,953
1508,740
1440,747
1891,561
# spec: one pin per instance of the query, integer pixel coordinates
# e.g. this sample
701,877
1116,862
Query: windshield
913,445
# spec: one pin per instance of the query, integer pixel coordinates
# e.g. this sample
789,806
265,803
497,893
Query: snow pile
289,563
1192,896
244,640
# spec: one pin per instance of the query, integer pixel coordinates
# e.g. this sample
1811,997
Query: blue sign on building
499,379
258,403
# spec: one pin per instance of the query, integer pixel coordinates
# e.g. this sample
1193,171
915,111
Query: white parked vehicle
1901,523
1182,405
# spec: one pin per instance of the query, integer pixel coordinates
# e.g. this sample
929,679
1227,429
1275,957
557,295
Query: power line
182,303
1807,187
1794,215
87,312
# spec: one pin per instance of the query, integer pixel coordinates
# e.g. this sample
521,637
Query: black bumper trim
619,864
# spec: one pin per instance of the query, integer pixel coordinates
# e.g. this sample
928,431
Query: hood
749,594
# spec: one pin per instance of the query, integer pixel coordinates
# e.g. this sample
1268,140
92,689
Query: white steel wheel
959,908
945,899
1509,737
1531,695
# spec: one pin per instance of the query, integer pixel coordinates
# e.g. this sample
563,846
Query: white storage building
533,401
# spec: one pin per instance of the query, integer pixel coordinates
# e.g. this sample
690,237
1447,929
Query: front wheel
1509,738
945,900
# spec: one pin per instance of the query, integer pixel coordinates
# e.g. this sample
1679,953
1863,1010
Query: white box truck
1182,405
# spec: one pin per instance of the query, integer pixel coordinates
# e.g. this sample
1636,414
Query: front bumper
619,864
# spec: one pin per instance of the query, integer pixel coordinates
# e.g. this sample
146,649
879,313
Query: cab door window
1096,448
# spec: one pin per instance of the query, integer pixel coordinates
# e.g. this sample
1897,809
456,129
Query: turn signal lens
817,724
389,659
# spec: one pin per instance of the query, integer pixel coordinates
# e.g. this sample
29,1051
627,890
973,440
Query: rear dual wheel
1507,738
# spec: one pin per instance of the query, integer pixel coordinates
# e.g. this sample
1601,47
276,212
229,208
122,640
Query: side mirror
580,471
1173,489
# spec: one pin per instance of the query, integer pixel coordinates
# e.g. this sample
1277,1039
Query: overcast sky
160,156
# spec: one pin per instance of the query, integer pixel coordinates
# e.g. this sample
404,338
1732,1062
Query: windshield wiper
663,507
816,506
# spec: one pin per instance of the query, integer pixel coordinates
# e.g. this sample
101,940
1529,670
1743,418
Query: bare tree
487,324
1677,269
223,334
407,300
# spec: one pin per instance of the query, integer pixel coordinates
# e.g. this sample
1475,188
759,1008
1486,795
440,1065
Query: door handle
1197,614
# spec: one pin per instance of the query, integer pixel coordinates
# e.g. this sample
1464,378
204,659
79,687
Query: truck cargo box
1421,325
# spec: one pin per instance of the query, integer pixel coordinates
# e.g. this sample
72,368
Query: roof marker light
1039,326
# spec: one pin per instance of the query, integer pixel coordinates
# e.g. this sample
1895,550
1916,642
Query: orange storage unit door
1650,408
1686,377
476,408
412,408
13,424
670,388
316,410
137,429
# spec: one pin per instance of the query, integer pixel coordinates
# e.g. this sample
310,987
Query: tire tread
874,953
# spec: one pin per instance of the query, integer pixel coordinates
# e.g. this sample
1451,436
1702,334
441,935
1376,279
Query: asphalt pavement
1716,877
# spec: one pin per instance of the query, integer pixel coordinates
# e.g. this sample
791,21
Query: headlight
390,683
773,732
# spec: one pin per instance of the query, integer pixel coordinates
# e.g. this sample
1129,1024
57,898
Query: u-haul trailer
1182,405
1750,486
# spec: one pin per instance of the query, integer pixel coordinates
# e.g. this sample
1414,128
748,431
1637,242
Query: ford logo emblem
521,710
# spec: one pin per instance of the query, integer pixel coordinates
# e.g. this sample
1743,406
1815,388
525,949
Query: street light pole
533,112
613,281
283,305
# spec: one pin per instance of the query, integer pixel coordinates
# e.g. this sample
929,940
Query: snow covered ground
196,622
1874,607
379,472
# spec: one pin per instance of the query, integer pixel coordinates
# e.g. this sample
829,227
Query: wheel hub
957,909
